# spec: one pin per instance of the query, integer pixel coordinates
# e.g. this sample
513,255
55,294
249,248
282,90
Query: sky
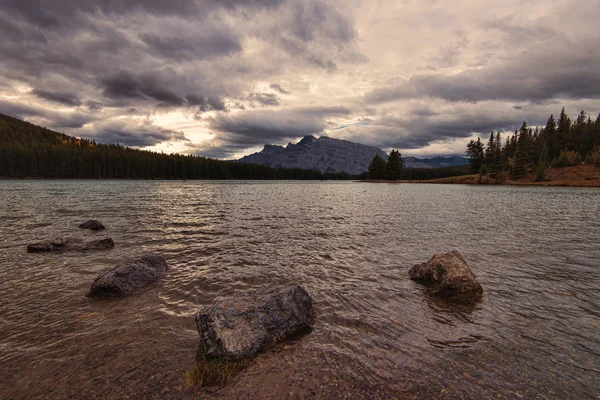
221,78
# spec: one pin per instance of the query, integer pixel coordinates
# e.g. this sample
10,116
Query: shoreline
468,180
576,176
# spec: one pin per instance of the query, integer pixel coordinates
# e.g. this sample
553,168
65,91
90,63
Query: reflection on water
535,251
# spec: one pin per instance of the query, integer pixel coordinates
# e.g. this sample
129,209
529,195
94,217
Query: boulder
130,275
448,275
240,327
63,243
93,225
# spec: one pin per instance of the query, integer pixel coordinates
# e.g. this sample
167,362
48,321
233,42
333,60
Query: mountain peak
308,139
324,154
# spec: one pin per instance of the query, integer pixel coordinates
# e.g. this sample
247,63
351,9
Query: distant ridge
435,162
327,154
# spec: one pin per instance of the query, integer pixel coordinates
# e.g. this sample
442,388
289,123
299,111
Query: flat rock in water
448,275
130,275
62,243
241,327
93,225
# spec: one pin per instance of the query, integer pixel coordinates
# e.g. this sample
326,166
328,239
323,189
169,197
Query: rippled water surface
535,250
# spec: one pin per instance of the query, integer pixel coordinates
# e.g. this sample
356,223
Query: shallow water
535,250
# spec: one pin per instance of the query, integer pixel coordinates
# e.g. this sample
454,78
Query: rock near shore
93,225
62,243
130,275
448,275
241,327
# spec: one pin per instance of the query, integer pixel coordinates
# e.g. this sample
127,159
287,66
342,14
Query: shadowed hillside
28,150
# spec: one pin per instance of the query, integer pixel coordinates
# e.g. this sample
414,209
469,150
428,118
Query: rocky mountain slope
324,154
334,155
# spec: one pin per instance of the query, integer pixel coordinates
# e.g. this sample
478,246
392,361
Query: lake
536,251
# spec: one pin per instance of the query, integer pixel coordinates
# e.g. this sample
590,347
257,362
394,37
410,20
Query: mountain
435,162
324,154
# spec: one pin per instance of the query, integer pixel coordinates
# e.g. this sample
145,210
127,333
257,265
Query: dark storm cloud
206,103
20,110
318,33
42,116
566,73
61,13
235,132
109,56
69,99
265,99
199,47
276,87
417,132
137,135
126,85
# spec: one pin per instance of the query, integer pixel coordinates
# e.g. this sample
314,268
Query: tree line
391,170
28,150
560,143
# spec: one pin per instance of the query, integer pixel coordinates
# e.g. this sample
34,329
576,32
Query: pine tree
562,132
521,157
550,139
476,155
377,168
498,155
394,165
490,151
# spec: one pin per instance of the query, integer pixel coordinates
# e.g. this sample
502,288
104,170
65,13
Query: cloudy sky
222,77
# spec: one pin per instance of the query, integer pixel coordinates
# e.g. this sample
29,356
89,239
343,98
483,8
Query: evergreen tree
476,155
562,132
550,138
377,168
394,165
498,154
521,157
490,152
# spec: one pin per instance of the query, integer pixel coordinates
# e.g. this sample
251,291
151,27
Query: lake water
536,251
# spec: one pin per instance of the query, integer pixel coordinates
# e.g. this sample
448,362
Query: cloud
235,132
568,73
69,99
206,103
265,99
133,133
204,45
276,87
126,85
45,117
229,68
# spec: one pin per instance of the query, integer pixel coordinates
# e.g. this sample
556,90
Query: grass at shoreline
578,176
214,372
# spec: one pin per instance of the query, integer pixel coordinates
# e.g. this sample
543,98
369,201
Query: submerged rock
62,243
93,225
241,327
130,275
448,275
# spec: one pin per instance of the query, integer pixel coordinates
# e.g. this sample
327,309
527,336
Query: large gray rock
125,278
448,275
241,327
93,225
64,243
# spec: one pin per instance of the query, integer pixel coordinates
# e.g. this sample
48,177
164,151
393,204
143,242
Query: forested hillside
560,143
28,150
